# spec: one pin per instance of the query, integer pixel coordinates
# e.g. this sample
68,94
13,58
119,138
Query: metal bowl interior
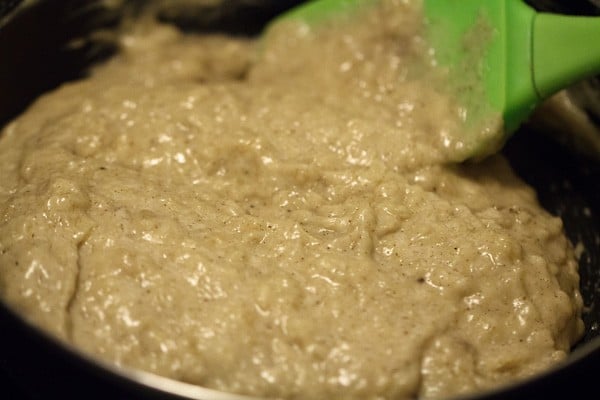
37,53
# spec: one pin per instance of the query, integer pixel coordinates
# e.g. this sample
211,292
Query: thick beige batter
281,228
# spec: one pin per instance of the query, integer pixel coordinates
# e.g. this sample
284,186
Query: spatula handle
566,49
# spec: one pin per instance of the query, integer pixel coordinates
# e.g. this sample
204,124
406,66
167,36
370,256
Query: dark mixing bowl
38,53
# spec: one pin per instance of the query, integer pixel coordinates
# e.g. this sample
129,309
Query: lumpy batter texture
279,220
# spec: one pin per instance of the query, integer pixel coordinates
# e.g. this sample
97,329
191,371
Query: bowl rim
168,386
145,380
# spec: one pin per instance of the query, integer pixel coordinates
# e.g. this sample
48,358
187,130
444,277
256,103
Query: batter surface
281,225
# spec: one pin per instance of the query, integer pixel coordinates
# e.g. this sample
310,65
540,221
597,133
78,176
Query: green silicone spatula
526,57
